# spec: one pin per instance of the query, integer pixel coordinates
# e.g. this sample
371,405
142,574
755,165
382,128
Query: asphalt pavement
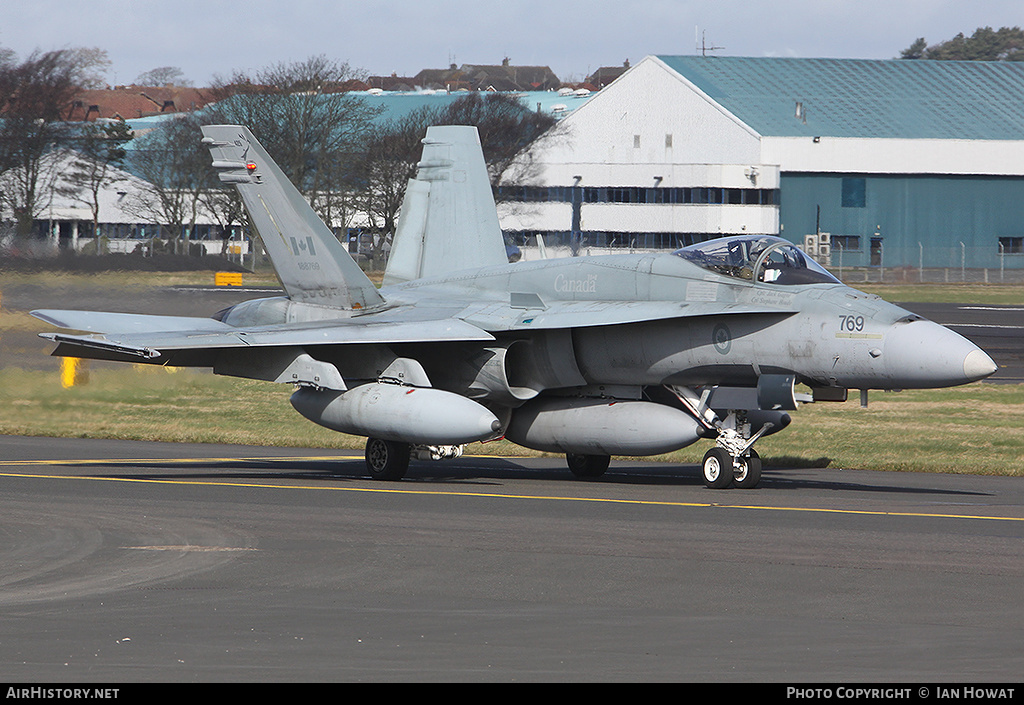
144,562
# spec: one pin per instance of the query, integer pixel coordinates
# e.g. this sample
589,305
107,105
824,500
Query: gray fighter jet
633,354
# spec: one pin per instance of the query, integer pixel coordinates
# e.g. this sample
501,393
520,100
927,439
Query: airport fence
932,265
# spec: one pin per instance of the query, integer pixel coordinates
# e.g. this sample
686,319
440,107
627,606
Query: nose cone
978,365
922,354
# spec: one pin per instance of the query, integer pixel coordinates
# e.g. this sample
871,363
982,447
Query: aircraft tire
587,466
716,469
750,476
387,460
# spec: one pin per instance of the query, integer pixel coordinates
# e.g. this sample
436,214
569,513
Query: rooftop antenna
702,46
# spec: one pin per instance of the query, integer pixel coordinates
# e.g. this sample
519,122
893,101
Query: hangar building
900,163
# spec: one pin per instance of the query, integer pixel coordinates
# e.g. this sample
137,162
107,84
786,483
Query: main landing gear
387,460
587,467
721,470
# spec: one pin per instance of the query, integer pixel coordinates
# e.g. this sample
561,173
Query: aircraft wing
123,342
104,322
121,336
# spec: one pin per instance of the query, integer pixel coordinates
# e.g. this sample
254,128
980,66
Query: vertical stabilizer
448,221
310,262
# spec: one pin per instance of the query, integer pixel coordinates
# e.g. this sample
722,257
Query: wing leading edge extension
587,314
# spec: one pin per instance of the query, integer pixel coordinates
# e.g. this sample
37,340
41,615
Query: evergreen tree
986,44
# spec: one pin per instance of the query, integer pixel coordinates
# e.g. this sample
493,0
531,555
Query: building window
638,194
846,242
854,193
591,238
636,141
1011,245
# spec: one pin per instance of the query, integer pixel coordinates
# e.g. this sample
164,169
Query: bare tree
302,115
90,66
175,171
392,151
225,206
507,128
162,76
99,149
33,94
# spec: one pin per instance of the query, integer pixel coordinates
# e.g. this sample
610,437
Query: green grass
155,403
1007,294
975,429
144,402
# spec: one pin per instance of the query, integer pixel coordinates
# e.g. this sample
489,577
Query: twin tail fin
310,262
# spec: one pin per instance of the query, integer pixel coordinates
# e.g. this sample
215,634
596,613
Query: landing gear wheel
749,474
587,466
717,469
387,460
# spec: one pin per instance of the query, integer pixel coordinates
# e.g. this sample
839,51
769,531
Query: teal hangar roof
397,105
899,98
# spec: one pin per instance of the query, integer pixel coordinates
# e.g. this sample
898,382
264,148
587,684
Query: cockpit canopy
759,258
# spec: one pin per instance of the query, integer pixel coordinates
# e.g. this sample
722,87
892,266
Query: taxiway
130,562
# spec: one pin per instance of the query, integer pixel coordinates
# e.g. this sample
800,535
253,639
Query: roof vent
801,112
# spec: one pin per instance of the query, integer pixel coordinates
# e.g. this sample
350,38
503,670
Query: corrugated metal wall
930,221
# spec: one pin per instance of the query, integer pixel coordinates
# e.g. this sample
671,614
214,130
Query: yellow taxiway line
412,491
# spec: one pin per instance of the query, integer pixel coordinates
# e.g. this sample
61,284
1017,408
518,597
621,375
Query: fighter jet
593,357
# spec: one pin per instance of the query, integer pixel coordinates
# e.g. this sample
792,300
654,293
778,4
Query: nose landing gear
721,470
733,462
